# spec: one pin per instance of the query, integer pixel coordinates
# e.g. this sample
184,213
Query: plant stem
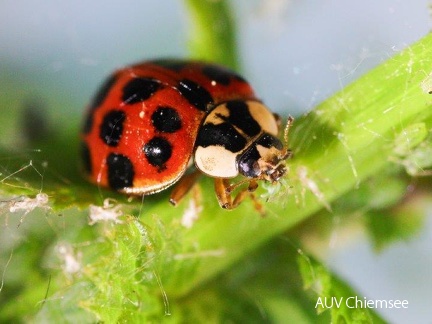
212,32
345,140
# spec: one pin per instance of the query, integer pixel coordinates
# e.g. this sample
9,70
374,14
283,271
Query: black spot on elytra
239,78
111,128
166,119
195,94
221,135
218,74
239,115
86,158
140,89
120,171
98,99
158,151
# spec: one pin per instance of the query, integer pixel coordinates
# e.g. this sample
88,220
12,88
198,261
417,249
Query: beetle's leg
230,187
222,196
183,187
224,193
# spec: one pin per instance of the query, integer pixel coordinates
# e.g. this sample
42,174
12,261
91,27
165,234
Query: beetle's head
264,159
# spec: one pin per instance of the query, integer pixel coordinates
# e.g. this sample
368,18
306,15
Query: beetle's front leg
224,192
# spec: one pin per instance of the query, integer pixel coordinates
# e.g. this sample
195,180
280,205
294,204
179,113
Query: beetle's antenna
288,125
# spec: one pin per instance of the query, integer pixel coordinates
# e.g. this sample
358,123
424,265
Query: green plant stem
212,32
345,140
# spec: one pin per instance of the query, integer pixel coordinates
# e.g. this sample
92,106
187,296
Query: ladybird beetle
149,122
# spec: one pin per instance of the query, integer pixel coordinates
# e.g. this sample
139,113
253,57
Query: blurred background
295,54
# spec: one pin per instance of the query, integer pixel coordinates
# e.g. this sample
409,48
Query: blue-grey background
295,53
